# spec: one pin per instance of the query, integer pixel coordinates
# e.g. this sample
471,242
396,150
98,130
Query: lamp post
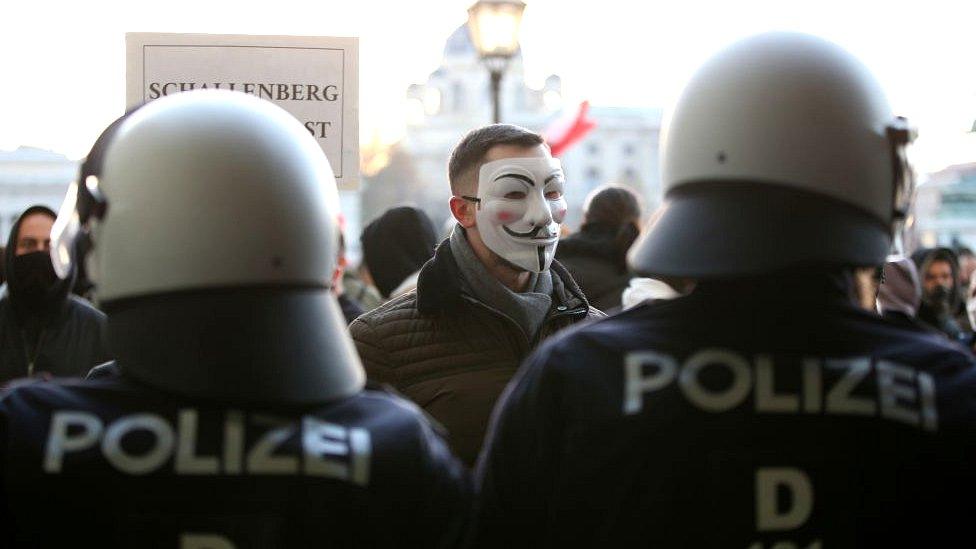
494,27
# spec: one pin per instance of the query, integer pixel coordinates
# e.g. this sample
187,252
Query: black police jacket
751,414
111,463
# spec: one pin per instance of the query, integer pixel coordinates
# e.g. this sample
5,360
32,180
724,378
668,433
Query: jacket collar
53,318
439,285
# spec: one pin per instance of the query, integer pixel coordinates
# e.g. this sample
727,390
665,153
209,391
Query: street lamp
494,27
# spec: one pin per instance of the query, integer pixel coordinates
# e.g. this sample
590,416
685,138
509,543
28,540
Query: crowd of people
754,366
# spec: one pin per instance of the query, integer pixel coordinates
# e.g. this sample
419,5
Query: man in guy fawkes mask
491,293
941,296
43,329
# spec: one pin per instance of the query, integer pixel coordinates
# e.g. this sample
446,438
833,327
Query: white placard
314,78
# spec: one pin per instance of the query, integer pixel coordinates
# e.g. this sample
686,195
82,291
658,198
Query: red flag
565,132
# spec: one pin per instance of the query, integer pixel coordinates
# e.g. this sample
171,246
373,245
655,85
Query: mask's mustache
533,233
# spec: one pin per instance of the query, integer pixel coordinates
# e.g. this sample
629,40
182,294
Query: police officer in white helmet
237,414
764,408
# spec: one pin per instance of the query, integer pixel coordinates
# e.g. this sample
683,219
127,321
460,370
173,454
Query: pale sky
62,75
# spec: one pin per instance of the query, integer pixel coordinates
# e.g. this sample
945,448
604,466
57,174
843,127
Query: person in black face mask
941,297
43,330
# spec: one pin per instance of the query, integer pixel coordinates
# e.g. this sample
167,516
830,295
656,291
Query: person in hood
900,292
44,329
942,299
395,246
597,254
491,292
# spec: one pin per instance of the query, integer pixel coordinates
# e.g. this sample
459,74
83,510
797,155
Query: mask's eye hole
554,194
515,195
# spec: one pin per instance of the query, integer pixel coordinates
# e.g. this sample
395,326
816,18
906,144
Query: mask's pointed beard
542,258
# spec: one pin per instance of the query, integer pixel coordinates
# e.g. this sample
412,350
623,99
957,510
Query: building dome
459,44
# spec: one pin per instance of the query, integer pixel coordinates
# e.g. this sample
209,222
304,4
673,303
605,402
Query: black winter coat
72,343
596,264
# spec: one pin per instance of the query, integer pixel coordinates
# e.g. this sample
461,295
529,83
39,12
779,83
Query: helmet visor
64,234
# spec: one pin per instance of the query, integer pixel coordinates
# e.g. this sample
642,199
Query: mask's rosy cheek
558,214
505,217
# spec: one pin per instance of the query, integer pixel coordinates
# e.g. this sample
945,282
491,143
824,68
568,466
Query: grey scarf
528,309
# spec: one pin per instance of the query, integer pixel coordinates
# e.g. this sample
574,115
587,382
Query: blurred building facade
945,209
623,148
31,176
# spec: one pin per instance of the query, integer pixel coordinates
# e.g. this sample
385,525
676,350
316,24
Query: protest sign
316,79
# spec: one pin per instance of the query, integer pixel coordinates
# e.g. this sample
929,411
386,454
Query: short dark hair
612,206
471,150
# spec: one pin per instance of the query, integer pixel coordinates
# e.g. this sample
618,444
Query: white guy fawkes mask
520,206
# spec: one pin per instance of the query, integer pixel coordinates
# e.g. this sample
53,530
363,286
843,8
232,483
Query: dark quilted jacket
452,354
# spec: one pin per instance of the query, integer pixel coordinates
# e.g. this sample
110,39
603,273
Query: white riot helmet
782,151
211,221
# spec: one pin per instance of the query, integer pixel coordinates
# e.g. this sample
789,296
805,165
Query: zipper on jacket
518,329
28,357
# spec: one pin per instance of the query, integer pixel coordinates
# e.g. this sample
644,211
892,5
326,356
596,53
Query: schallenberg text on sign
271,91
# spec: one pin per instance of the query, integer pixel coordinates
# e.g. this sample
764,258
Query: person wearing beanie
44,330
395,246
597,254
489,296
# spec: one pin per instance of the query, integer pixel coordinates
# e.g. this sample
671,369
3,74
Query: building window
593,173
629,149
593,149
